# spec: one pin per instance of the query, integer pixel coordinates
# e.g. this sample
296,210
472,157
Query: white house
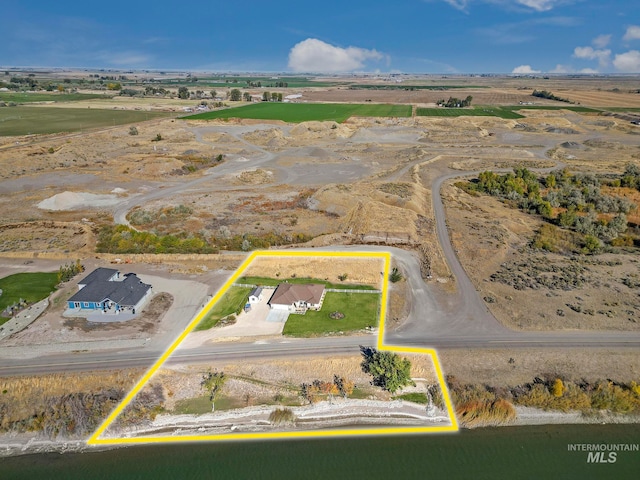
297,297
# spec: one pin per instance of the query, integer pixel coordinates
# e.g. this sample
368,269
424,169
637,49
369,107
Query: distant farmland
32,120
49,97
508,112
475,112
303,112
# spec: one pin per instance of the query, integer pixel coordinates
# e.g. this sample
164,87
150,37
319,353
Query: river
486,453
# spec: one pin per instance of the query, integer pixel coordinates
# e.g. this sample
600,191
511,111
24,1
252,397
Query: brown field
362,271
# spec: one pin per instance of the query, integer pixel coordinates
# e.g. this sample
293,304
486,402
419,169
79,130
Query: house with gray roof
106,290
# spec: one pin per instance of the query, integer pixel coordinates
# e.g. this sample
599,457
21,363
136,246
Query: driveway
250,324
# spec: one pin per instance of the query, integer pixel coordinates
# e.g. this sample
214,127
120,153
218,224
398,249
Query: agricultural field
239,82
360,311
31,287
16,121
49,97
484,111
414,87
302,112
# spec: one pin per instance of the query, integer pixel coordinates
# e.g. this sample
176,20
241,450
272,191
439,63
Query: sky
332,36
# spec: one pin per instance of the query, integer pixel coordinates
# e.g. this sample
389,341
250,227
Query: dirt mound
77,201
321,130
570,145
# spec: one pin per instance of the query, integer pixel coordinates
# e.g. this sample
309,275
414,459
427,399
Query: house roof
126,293
98,275
289,293
256,292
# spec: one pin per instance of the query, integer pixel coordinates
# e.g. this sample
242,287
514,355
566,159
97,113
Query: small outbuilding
255,295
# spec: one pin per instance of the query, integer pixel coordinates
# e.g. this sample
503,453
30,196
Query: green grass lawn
233,300
32,120
415,397
303,112
23,97
272,282
32,287
360,311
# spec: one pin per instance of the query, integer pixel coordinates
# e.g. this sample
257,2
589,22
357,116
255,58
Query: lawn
32,287
360,311
32,120
231,302
24,97
303,112
272,282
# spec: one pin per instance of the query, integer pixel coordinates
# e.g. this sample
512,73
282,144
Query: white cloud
601,41
458,4
588,70
524,70
313,55
633,33
561,69
590,53
628,62
538,5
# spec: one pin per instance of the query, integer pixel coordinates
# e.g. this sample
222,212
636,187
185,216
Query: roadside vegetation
304,112
231,304
482,405
122,239
358,311
580,216
64,405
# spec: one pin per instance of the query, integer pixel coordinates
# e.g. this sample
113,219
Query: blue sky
413,36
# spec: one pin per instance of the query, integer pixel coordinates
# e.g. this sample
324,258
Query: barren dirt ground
364,181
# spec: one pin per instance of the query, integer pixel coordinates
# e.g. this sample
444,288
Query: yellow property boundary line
386,256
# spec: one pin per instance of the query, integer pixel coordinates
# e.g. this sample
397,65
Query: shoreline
12,444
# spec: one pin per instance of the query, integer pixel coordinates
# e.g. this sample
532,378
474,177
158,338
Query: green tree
214,94
183,92
246,96
235,95
213,382
389,371
395,275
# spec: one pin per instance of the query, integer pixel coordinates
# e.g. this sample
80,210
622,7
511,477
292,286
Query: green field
32,120
360,311
272,282
508,112
49,97
474,112
304,112
32,287
231,302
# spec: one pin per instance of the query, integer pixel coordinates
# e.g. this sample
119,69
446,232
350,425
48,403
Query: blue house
105,289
